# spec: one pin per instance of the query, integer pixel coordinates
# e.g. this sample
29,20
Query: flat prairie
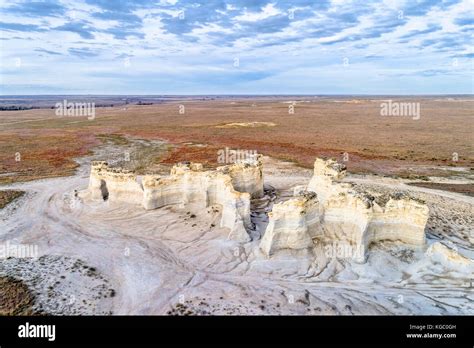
295,129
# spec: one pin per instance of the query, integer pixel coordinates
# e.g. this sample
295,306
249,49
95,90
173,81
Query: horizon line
235,95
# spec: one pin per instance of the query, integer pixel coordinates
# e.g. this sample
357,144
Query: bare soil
467,189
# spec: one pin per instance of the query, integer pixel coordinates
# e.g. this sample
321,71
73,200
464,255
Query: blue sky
236,47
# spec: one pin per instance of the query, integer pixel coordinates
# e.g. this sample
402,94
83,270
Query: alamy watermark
403,109
344,250
228,156
37,331
75,109
8,249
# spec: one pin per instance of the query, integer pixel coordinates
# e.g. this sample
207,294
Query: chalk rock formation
346,214
326,174
451,267
450,258
247,175
292,224
328,211
114,184
188,184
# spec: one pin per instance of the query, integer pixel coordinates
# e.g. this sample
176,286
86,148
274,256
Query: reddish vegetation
41,154
384,145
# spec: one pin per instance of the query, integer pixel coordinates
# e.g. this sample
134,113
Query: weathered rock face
346,215
360,220
114,184
292,224
325,176
229,187
402,218
187,185
247,176
450,258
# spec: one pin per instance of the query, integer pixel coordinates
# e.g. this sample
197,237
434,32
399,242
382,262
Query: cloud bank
236,47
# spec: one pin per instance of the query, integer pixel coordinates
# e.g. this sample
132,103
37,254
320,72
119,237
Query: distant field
441,139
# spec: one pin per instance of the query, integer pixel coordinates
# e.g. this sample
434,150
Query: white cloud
296,56
267,11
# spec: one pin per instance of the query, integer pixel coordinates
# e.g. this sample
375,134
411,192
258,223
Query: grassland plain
38,144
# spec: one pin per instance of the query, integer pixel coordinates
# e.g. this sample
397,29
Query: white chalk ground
171,261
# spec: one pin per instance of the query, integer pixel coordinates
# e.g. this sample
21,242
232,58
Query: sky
236,47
